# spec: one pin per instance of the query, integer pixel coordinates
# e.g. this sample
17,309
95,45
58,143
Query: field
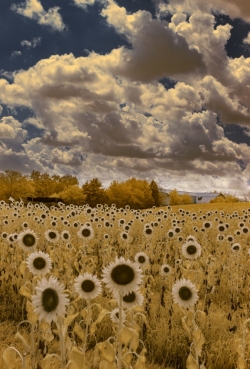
109,288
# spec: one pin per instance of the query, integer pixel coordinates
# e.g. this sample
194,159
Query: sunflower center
85,232
141,259
39,263
130,297
166,269
170,234
148,231
236,247
122,274
66,236
185,293
124,236
29,240
50,300
88,285
191,249
52,235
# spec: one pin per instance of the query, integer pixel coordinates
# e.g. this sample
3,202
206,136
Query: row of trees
137,193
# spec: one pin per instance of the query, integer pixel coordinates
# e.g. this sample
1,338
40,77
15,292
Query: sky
151,89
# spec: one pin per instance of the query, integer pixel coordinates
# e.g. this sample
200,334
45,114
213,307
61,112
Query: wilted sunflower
88,286
134,298
49,301
184,293
165,270
39,263
141,258
86,232
52,235
27,240
122,276
191,250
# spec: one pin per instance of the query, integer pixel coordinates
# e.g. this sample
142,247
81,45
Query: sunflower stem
33,356
62,341
119,356
87,327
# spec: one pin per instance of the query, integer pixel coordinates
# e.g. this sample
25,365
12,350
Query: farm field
108,288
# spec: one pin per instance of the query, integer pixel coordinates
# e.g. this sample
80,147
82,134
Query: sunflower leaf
32,316
78,358
106,365
191,363
9,359
69,320
199,340
107,351
79,331
101,316
25,291
46,362
140,363
241,363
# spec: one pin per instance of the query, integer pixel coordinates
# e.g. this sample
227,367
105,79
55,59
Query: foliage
46,185
72,195
94,192
155,193
224,198
14,184
134,192
177,199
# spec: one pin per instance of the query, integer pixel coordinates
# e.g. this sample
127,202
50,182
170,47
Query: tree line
137,193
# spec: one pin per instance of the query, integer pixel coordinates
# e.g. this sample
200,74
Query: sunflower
114,316
184,293
165,270
52,235
122,275
86,232
27,240
236,247
88,286
49,301
124,236
39,263
65,236
141,258
171,233
148,231
134,298
191,250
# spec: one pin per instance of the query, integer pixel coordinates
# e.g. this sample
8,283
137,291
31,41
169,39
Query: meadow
108,288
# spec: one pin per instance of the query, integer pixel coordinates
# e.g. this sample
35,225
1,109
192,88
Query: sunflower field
117,288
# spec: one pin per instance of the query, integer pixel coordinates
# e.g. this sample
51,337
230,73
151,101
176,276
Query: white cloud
33,9
234,8
16,53
31,44
247,39
157,50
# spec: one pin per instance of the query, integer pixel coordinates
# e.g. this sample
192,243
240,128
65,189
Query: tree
224,198
177,199
44,184
155,193
94,192
134,192
72,195
15,184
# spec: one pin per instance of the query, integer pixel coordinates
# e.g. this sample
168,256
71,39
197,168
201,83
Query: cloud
234,8
35,41
16,53
33,9
157,51
108,116
247,39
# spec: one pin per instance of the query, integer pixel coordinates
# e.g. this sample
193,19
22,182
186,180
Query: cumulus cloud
156,50
33,9
108,115
234,8
84,3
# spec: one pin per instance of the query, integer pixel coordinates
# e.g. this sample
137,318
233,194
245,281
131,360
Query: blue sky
151,89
